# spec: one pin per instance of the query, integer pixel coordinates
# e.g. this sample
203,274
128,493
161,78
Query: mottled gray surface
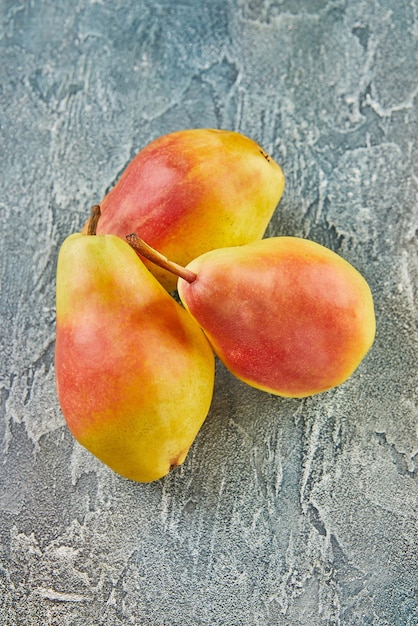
286,512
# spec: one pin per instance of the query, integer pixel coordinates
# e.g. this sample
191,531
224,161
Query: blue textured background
286,512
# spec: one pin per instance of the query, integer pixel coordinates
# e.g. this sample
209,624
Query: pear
134,371
191,191
285,314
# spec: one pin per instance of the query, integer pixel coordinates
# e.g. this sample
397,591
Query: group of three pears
135,369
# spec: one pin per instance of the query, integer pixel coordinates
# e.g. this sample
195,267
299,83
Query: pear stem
159,259
94,218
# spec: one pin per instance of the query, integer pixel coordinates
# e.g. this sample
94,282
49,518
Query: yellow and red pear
191,191
284,314
134,371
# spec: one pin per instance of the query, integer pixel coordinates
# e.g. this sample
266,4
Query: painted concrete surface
286,512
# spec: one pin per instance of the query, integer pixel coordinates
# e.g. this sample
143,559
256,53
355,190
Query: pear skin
134,372
284,314
192,191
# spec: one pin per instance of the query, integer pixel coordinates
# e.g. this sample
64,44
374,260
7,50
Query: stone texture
286,512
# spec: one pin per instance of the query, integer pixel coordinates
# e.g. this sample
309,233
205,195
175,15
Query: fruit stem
159,259
94,218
